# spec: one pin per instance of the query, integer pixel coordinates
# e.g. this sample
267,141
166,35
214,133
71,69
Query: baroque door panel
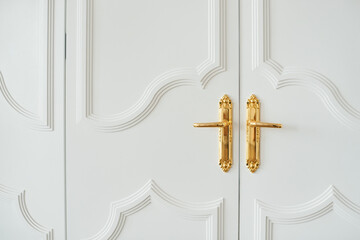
150,209
138,76
293,65
16,221
331,215
27,69
116,39
285,43
31,102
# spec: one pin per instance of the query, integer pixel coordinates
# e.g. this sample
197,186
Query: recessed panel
134,42
158,222
13,224
23,47
319,35
329,227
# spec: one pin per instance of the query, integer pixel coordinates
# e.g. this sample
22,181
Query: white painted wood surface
32,120
300,59
139,74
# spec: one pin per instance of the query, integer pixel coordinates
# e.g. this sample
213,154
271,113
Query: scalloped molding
43,121
200,75
280,76
20,196
267,215
210,212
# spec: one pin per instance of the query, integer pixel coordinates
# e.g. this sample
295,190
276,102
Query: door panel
161,38
32,126
30,47
299,58
139,74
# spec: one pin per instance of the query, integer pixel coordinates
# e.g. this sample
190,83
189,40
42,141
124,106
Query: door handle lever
262,124
213,124
225,132
253,133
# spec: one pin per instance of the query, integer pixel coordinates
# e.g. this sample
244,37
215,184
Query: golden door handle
253,133
262,124
212,124
225,132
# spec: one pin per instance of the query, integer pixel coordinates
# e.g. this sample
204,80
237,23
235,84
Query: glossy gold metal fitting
225,132
253,133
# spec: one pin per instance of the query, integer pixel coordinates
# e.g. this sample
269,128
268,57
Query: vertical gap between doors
64,109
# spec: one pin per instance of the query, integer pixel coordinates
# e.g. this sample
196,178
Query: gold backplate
253,126
225,134
253,134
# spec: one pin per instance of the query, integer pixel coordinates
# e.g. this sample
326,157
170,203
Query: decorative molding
45,120
210,212
20,196
200,75
280,76
332,199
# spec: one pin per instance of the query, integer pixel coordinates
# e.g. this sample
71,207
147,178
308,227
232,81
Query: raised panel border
11,193
43,121
266,215
209,212
197,76
280,76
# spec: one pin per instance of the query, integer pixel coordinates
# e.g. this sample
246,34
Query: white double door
102,142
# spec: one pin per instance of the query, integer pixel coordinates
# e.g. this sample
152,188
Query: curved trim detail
43,121
210,212
280,76
198,76
20,196
266,215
